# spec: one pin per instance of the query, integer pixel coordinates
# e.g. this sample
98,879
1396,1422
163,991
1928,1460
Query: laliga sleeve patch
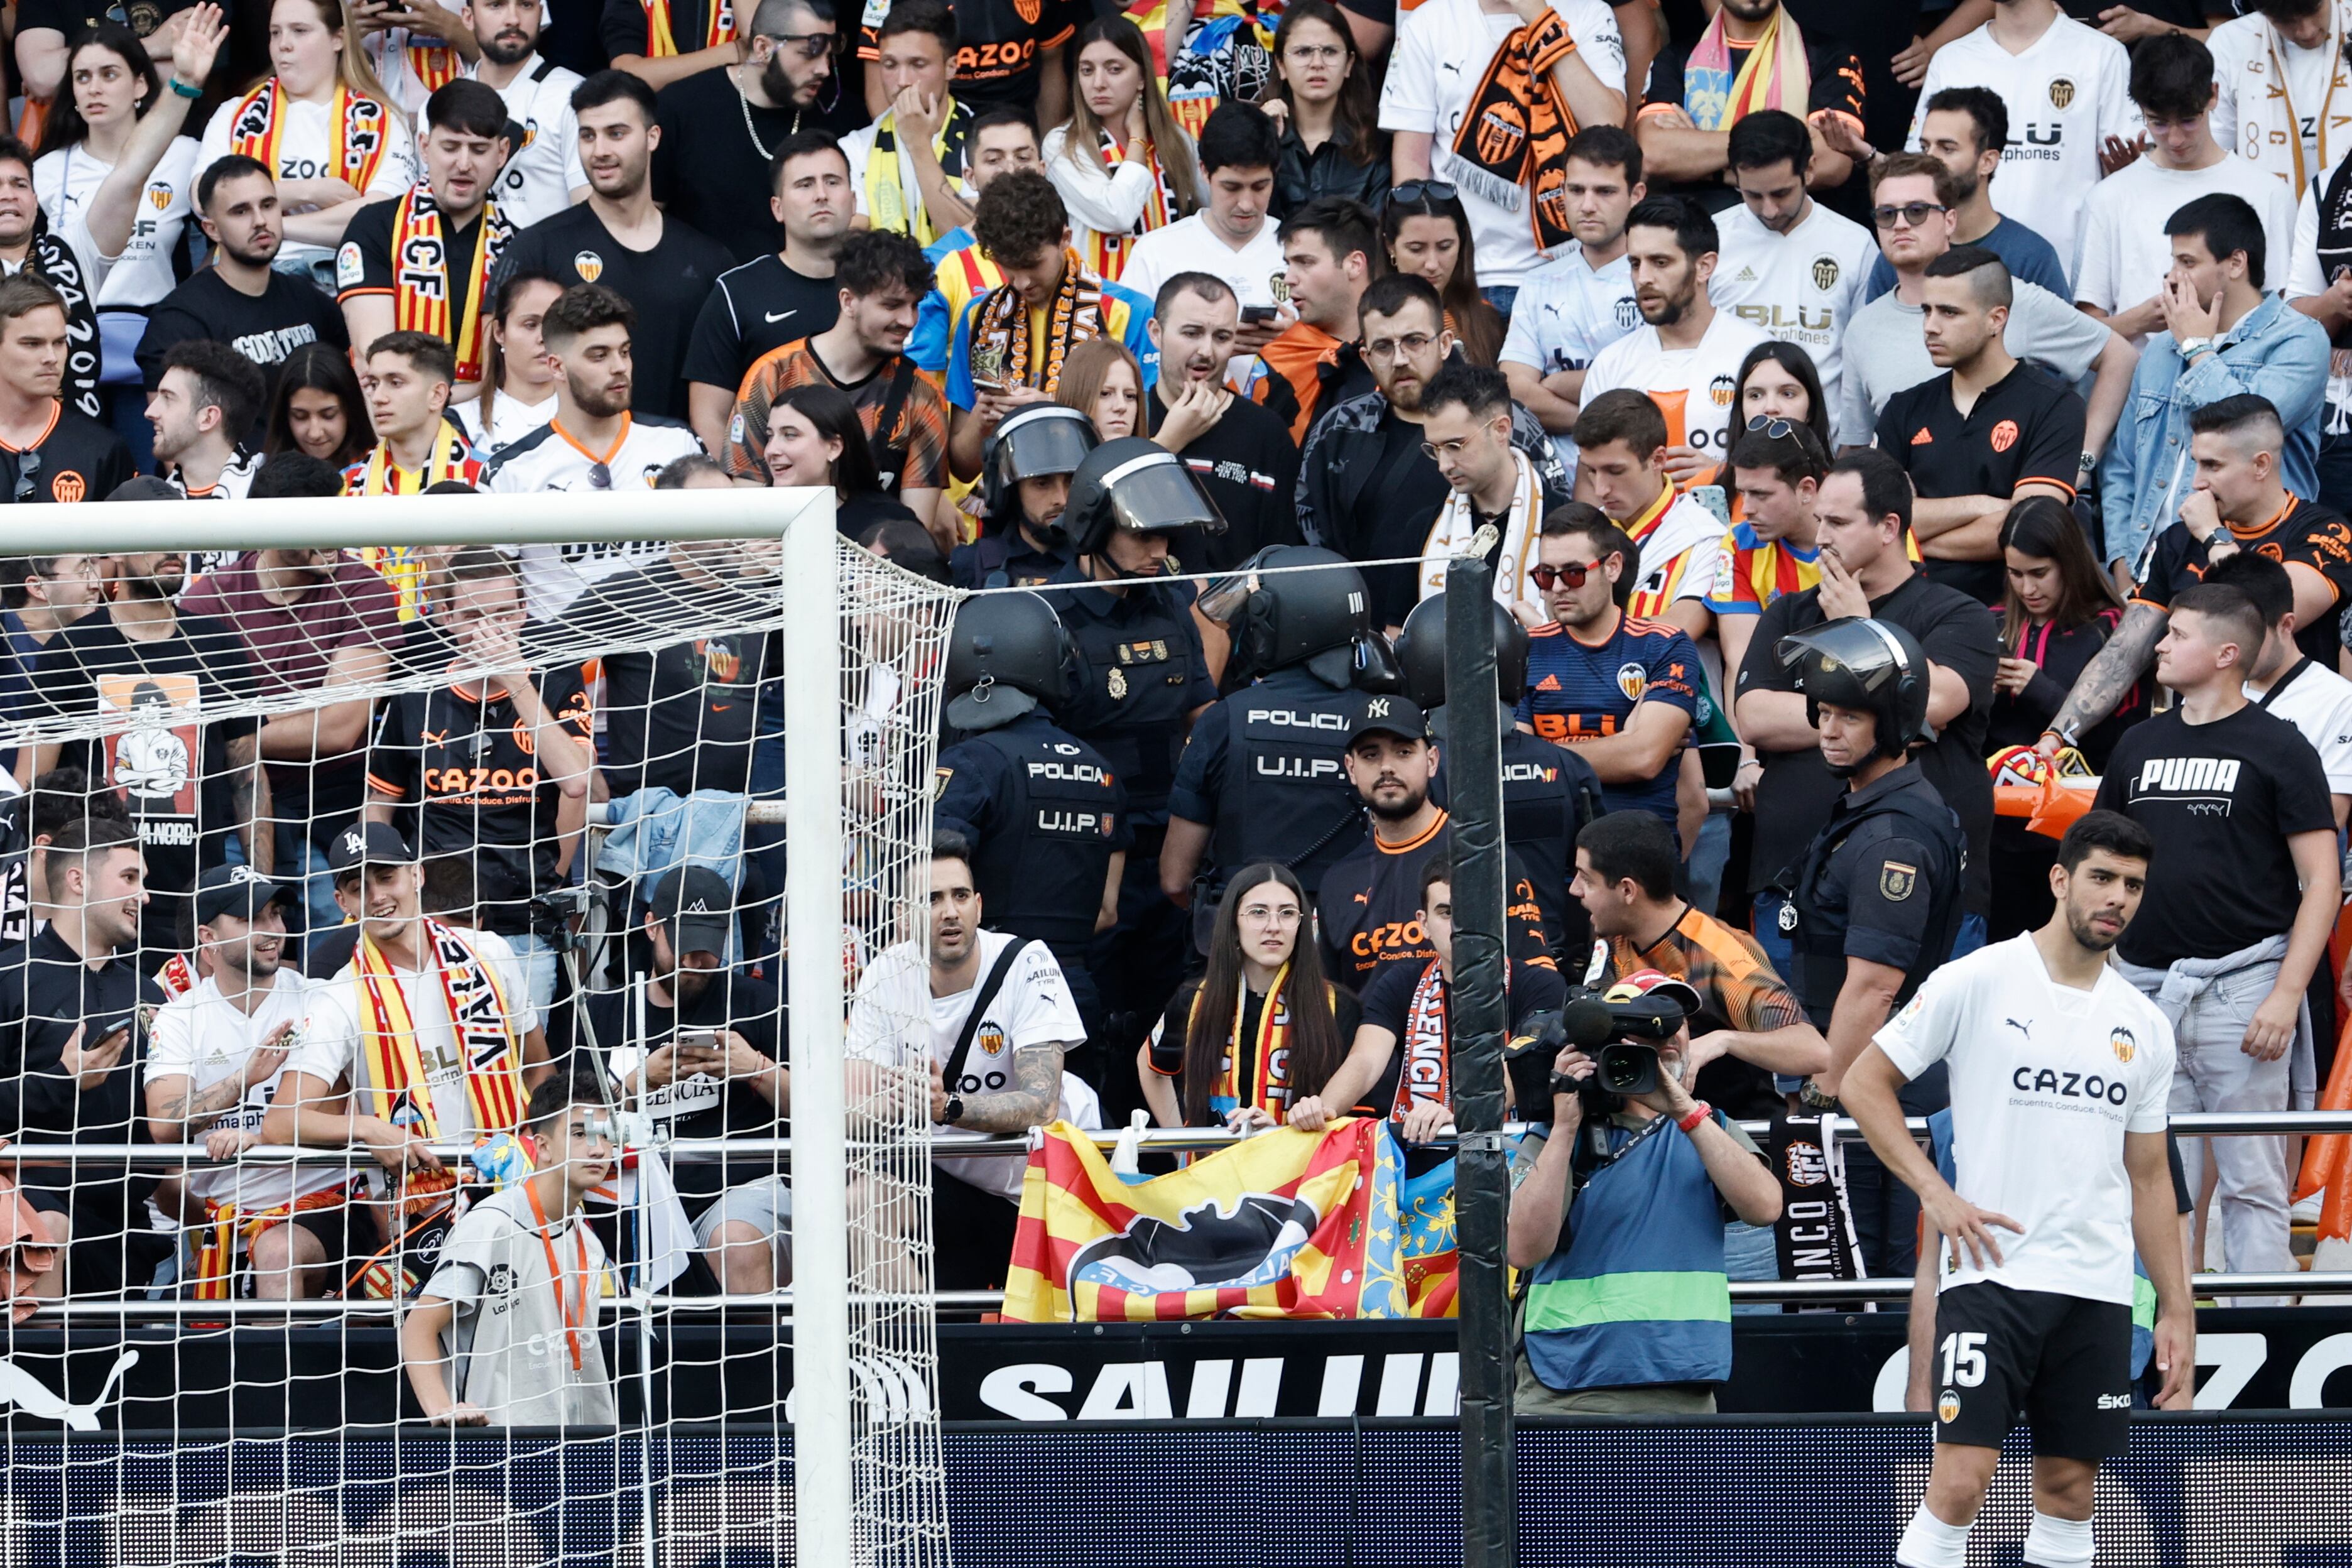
1896,881
351,270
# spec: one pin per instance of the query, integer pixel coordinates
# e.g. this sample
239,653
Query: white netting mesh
263,715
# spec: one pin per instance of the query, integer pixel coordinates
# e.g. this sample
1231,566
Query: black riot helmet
1033,441
1280,615
1139,486
1008,654
1420,651
1873,666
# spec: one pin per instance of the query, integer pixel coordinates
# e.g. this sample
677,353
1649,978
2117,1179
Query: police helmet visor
1156,494
1222,599
1036,446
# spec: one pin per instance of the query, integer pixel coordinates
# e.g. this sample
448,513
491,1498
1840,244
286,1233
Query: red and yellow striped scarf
356,142
661,40
228,1227
422,291
1107,253
491,1057
380,476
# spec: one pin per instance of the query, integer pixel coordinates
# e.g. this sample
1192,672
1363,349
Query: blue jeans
1502,297
1706,860
1749,1252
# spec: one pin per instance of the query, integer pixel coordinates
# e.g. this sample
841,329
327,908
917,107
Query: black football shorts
2063,1361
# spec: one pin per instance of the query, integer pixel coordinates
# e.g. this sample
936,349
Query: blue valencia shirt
1577,692
2273,350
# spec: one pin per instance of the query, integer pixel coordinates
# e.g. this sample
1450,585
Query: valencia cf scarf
380,476
1773,76
2272,125
1107,253
357,137
1270,1070
1516,127
1814,1235
1455,532
1001,347
887,181
53,262
1427,1076
422,294
661,39
433,63
492,1060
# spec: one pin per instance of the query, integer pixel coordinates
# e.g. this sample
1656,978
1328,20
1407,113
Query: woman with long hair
2060,611
1779,381
1101,380
814,437
1426,233
1262,1028
1123,166
324,125
518,393
1328,110
318,408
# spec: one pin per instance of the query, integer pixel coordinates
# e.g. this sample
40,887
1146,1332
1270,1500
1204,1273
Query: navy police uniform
1044,813
1883,880
1550,793
1004,560
1264,772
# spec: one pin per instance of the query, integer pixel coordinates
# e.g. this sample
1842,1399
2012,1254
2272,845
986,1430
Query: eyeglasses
1912,213
1572,576
1413,190
1774,429
1267,915
600,476
812,45
28,469
1314,54
1405,347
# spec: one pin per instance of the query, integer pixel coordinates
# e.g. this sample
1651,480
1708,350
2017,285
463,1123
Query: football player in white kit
2060,1070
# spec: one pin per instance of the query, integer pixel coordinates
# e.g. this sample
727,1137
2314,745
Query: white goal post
826,1524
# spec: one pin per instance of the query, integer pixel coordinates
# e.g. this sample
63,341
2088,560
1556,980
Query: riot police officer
1046,815
1262,777
1024,485
1143,679
1880,894
1548,792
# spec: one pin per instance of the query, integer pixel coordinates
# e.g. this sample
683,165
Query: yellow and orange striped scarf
356,144
227,1228
491,1056
380,476
1107,253
661,40
422,291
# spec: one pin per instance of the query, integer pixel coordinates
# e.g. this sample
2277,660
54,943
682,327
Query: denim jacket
2273,350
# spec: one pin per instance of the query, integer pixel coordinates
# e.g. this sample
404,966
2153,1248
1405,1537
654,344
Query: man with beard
53,451
1965,128
28,249
241,300
1024,490
1581,301
145,650
1790,266
204,404
721,128
592,443
880,276
699,1045
1686,354
1240,452
215,1058
422,262
542,173
761,306
1367,489
621,238
1368,907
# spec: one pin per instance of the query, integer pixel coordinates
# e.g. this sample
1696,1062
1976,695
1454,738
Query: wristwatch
2191,347
954,1112
1699,1111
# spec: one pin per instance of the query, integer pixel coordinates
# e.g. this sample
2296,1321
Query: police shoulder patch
940,777
1896,881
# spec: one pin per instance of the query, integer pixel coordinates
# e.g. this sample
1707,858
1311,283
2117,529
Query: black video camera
1621,1038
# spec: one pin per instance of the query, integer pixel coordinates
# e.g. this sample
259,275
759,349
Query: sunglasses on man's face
812,45
1912,213
1572,576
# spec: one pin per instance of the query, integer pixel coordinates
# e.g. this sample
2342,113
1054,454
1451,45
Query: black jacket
1302,177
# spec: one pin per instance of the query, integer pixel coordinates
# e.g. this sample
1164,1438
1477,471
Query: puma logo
30,1394
2025,1029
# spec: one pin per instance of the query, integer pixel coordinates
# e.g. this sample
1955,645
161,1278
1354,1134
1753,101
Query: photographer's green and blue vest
1639,1296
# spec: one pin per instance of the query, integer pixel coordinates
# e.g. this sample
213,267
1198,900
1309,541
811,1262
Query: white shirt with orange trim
236,478
550,459
1802,287
1697,388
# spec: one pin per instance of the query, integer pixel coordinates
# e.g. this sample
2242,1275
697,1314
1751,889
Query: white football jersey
1568,311
65,180
1802,287
550,459
1697,388
543,171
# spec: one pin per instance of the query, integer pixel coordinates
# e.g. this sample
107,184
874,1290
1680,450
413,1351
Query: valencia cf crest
1948,1408
69,487
159,197
1632,680
1897,882
2004,436
1628,313
1825,273
1721,391
1029,10
2062,92
2120,1041
1278,285
589,265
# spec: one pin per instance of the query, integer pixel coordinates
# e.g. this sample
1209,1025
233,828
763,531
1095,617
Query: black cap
145,487
697,907
365,841
237,890
1388,715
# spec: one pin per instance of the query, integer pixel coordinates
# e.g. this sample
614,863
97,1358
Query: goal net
431,930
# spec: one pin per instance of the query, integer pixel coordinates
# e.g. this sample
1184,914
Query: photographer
1643,1182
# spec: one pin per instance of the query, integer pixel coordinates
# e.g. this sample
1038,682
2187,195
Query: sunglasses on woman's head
1413,190
1572,576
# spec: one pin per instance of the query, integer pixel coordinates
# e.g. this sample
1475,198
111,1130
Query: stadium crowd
1992,359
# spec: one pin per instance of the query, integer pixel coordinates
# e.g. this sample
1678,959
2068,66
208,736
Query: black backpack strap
544,66
980,1001
894,403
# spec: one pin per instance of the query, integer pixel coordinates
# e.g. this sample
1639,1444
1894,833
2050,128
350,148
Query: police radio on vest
1282,717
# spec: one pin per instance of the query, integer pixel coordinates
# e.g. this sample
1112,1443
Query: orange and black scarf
422,294
1001,347
661,40
1518,127
356,142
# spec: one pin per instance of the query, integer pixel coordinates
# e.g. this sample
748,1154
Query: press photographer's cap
1646,983
697,907
238,891
363,842
1383,714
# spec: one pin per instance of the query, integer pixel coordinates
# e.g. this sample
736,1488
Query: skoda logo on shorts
2062,92
1825,273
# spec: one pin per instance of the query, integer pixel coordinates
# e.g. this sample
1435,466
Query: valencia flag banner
1286,1225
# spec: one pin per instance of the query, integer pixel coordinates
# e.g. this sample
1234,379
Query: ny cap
1384,714
237,890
